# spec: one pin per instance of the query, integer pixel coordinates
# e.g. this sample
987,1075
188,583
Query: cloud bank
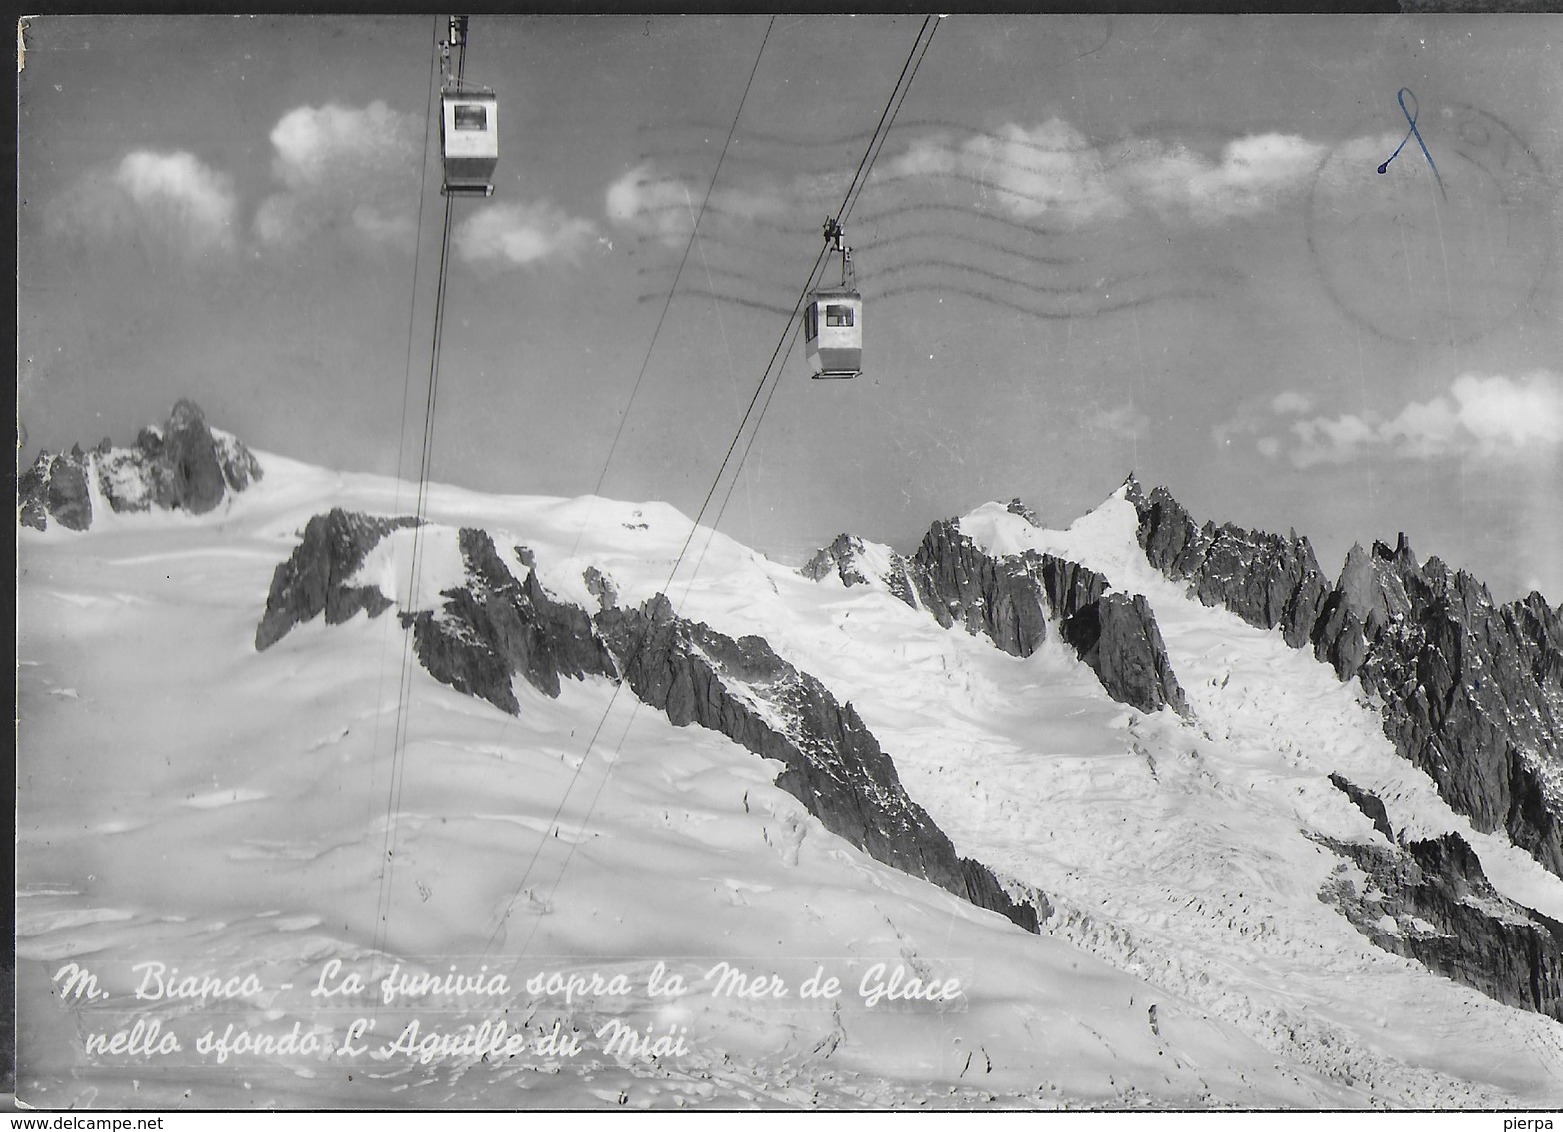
1054,170
1481,417
351,170
519,235
174,199
646,202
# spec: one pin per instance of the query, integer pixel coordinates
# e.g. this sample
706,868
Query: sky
1088,246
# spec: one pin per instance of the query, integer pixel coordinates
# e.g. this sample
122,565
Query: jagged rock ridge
183,465
1429,900
848,557
834,765
315,578
1472,691
1425,900
1009,599
493,626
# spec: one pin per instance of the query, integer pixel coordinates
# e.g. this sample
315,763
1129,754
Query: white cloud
931,156
1124,421
1054,169
342,168
1326,441
1291,403
1501,413
650,203
179,183
174,197
515,235
1051,168
1252,174
1483,417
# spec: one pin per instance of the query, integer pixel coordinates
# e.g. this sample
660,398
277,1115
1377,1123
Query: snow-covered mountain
1190,824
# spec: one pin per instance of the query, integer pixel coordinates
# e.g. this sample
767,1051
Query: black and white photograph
932,562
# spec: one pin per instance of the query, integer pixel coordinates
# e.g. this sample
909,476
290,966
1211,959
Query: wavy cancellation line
1106,284
944,290
874,274
1002,152
876,263
803,139
863,220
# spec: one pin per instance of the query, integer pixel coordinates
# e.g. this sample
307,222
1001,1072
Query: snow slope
187,800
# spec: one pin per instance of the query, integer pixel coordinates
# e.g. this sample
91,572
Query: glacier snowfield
187,800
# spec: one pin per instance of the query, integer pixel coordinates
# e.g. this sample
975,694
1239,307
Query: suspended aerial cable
856,190
847,204
467,164
624,417
886,119
677,275
401,435
870,152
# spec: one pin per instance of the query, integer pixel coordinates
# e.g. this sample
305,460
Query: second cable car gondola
469,140
833,320
469,124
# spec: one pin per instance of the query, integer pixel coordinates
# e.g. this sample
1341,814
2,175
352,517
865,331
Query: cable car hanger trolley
469,123
833,319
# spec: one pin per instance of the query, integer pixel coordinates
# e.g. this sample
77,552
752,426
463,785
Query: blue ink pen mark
1411,115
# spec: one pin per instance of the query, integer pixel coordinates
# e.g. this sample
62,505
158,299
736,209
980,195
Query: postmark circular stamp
1435,255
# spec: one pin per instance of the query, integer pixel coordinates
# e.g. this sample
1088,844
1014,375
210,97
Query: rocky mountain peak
1472,690
182,465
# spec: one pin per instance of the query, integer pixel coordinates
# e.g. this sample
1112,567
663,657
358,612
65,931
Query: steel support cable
892,106
414,573
882,115
639,648
412,308
657,331
847,205
672,290
414,579
629,404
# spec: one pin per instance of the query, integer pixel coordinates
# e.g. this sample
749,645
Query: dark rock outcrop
68,499
839,558
1016,507
1472,691
832,762
315,577
845,558
493,627
182,465
1430,901
1265,579
1009,599
1000,598
32,488
1371,805
601,587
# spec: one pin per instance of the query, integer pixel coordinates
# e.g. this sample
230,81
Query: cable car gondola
833,320
469,126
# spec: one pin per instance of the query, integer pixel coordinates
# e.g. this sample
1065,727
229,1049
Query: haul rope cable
864,166
846,207
677,275
401,436
398,767
624,417
404,691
